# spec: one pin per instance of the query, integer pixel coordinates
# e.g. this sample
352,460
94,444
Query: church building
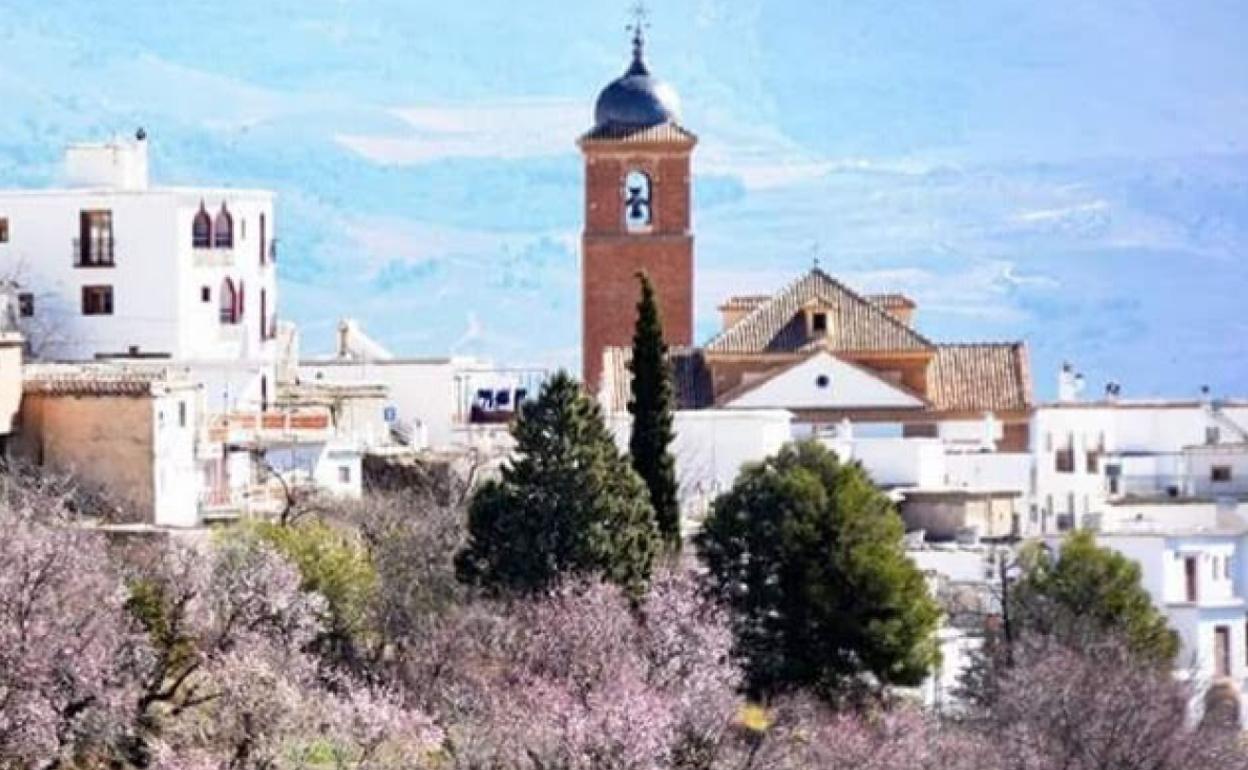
817,348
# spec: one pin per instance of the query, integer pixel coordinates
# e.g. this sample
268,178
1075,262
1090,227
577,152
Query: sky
1070,173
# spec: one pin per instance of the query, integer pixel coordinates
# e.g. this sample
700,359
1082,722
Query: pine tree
651,407
808,555
568,503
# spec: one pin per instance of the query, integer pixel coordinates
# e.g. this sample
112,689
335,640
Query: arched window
201,229
637,201
223,230
228,302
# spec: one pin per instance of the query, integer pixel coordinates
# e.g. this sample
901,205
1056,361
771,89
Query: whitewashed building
110,266
1194,564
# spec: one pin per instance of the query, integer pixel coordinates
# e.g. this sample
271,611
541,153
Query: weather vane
814,254
640,24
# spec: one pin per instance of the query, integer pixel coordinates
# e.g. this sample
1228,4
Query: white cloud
498,129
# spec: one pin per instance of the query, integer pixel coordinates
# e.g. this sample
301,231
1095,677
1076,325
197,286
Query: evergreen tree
651,407
1085,592
809,556
568,503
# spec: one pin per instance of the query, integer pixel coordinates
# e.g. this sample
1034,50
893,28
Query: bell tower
637,213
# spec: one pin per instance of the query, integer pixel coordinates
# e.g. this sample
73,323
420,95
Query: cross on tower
639,26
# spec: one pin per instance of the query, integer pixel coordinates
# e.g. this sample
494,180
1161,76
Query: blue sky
1070,173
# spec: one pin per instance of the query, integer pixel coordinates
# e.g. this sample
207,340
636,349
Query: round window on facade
823,381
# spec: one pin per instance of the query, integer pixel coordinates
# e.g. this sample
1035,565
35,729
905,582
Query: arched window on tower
229,304
201,229
637,201
223,230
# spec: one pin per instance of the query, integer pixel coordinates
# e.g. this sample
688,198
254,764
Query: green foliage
149,603
567,503
1086,591
809,556
333,562
651,406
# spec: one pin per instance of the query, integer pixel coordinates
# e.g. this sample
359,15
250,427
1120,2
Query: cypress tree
567,503
651,408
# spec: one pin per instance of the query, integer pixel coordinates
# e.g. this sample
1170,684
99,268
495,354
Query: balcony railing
1174,486
208,257
94,252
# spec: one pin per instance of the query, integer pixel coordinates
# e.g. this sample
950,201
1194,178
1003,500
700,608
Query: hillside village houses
158,370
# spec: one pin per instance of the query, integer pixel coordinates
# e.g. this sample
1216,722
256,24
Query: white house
1091,457
112,267
1194,564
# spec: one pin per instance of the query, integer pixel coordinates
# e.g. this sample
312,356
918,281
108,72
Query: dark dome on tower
637,99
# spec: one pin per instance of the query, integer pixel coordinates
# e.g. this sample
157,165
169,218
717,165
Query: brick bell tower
637,213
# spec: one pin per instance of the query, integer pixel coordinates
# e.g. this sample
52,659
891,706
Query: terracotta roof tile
99,380
854,322
891,301
980,377
662,133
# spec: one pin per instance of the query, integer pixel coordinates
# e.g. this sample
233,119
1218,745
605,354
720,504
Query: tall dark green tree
651,406
568,503
808,554
1086,591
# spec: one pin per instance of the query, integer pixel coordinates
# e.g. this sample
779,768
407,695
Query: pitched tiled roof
662,133
744,302
100,380
691,380
854,322
980,377
891,300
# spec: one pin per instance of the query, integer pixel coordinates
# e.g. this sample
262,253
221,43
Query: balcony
271,427
1173,486
94,252
206,257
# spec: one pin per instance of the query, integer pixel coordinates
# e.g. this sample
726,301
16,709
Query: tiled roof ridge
863,298
817,274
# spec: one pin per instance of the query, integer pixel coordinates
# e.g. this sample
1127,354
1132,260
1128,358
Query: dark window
819,323
223,230
1189,579
4,230
1222,651
228,302
97,300
181,414
1094,463
201,229
1212,434
263,236
205,294
822,381
94,247
264,312
26,304
344,474
1220,473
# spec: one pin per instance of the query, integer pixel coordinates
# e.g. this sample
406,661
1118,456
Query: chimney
117,165
1069,384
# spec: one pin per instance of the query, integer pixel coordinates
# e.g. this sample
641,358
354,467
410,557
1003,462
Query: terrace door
1222,651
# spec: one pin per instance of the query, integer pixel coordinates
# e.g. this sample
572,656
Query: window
264,312
181,414
1094,463
344,474
823,381
97,300
1064,460
819,323
1212,434
223,230
1191,591
1220,473
201,229
4,230
263,245
637,210
205,294
26,304
94,247
228,302
1222,651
